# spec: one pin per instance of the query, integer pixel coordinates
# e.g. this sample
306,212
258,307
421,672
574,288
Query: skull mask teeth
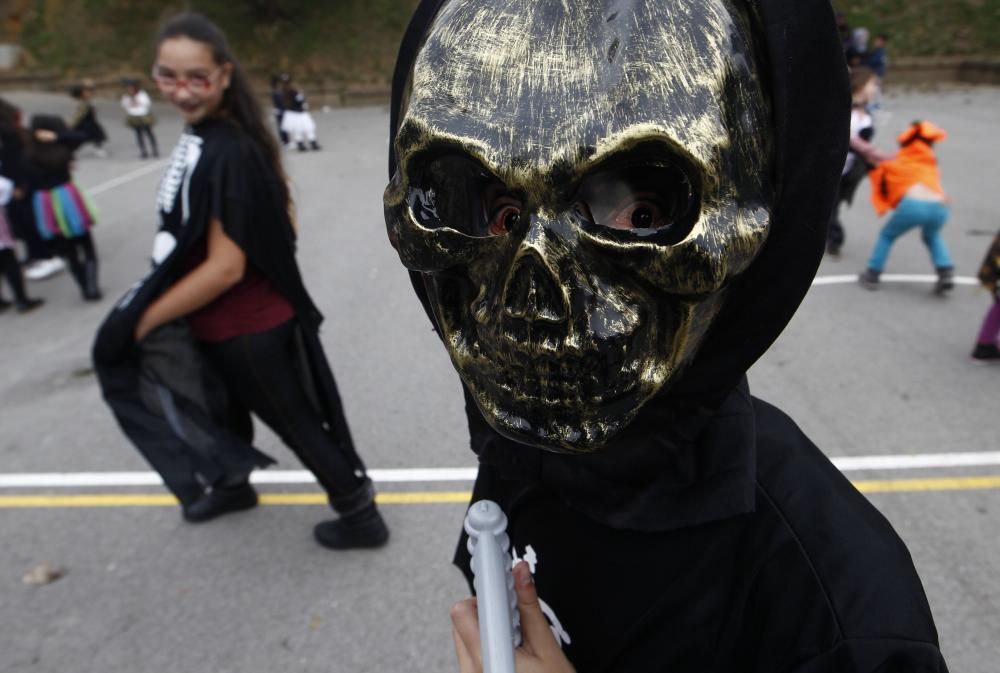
574,261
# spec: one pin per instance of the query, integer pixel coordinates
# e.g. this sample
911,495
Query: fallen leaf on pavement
43,573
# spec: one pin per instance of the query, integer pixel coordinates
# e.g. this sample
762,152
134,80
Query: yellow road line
933,484
435,497
389,498
164,499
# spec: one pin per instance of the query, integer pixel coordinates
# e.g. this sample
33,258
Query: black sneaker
945,281
220,500
869,279
362,530
4,304
29,305
986,354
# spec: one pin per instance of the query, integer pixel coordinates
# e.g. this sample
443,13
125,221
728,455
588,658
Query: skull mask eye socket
456,192
651,199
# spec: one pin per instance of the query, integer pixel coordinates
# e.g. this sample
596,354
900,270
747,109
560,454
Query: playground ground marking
92,500
462,474
108,185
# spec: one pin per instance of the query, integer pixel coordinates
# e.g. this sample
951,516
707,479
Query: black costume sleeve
72,139
238,194
877,656
243,193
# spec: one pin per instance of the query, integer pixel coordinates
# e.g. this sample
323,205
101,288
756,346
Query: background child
85,119
10,268
989,333
911,185
278,105
296,121
63,214
139,116
861,156
40,262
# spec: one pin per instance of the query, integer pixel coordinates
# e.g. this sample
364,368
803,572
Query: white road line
847,463
465,474
892,278
126,177
77,479
917,461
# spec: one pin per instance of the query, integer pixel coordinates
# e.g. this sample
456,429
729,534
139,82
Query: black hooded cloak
715,536
163,392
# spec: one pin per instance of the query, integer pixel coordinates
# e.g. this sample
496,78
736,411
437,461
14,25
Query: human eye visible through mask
456,192
646,199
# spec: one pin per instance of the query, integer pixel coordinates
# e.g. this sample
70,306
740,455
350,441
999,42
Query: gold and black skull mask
577,183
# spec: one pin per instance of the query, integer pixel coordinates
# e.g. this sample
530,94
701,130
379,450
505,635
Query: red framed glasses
198,82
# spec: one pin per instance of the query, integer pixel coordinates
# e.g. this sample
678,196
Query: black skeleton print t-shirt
215,170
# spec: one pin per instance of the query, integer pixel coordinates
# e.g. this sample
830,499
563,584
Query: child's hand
540,653
45,136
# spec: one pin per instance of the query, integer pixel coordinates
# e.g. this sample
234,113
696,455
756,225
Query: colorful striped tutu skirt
63,212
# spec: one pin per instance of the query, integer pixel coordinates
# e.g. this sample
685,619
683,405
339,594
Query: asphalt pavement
880,380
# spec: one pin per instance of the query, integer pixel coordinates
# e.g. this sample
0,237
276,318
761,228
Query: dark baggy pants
260,371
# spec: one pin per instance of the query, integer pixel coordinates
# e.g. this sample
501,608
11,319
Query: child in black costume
225,305
10,268
609,217
85,118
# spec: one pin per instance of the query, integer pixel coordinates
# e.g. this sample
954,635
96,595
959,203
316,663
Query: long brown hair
239,104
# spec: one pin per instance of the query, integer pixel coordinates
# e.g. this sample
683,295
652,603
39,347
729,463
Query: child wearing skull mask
602,326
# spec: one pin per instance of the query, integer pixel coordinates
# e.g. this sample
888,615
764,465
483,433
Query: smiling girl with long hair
225,270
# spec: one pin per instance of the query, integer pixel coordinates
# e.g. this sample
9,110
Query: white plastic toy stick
499,619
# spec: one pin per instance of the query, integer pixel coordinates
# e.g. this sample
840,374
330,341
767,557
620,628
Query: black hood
689,454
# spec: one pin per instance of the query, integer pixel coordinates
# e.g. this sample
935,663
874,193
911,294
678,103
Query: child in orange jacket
910,184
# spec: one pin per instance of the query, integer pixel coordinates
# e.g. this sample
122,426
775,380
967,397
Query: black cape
163,392
713,535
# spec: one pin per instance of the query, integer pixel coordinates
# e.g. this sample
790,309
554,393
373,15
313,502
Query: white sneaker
44,268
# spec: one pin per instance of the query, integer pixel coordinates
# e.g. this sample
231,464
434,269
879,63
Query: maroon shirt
252,305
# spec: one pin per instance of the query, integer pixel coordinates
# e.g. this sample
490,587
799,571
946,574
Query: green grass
347,41
930,27
340,43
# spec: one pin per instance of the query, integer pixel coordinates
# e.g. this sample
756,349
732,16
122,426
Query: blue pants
930,216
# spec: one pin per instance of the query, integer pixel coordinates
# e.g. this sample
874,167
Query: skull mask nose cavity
532,292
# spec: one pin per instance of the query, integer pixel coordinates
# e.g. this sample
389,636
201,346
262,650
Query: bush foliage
355,41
